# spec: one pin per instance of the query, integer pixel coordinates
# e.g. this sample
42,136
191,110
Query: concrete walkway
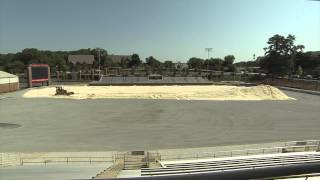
52,171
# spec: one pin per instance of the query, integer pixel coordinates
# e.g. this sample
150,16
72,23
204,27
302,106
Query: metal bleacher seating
232,164
134,80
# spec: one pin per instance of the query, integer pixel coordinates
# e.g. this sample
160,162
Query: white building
8,82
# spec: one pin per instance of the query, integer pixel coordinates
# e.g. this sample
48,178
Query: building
180,65
8,82
314,53
119,58
81,59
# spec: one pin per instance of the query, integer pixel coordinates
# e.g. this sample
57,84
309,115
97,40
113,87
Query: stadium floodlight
99,58
99,61
209,50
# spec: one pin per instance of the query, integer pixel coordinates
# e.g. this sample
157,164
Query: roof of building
81,59
6,75
118,58
314,53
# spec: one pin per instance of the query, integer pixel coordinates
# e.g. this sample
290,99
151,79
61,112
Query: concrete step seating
110,172
145,80
9,159
134,162
231,164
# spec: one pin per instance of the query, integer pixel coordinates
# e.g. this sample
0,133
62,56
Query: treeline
283,57
58,60
17,62
217,64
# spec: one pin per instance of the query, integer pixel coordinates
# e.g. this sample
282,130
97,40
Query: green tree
196,63
217,64
135,60
152,62
276,64
29,55
16,67
229,60
213,64
283,46
83,51
96,52
168,64
280,55
228,63
308,61
247,63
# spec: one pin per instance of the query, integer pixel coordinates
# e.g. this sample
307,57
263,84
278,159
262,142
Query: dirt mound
264,92
211,92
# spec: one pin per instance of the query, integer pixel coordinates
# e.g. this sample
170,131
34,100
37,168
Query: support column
29,77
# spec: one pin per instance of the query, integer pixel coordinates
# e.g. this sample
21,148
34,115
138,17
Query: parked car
296,76
308,76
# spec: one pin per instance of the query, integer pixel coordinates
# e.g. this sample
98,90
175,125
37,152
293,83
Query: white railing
8,159
68,159
292,146
302,143
13,159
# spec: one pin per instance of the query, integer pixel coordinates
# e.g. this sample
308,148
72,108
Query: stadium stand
232,164
131,80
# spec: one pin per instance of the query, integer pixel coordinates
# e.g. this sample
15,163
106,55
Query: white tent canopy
7,78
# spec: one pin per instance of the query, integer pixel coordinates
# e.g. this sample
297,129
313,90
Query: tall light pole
99,59
209,50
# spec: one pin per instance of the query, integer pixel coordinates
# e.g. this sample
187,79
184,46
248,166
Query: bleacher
231,164
134,80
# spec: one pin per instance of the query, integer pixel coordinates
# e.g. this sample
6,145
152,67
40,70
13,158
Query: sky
166,29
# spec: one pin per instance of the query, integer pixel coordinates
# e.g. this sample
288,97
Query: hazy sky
167,29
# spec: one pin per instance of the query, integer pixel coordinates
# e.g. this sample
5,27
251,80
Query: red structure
38,73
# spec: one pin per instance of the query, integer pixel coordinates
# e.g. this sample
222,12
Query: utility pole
99,58
99,68
209,50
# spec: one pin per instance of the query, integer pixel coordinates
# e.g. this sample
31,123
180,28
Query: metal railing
8,159
46,160
301,143
11,159
292,146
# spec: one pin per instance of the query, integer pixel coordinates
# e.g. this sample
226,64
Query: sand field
207,92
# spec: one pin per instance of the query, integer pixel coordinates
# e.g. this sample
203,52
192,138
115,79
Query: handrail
269,150
8,159
305,141
310,145
69,159
240,150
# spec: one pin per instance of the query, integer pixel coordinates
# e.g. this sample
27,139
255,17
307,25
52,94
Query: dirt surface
49,124
205,92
